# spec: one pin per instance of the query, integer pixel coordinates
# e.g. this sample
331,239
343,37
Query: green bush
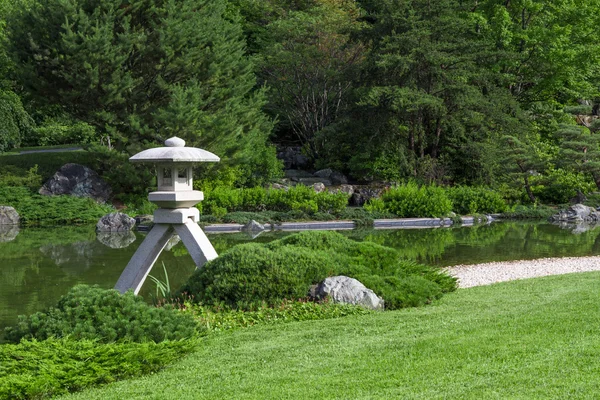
89,312
61,131
253,274
53,367
301,198
36,209
559,186
472,200
15,177
15,123
411,200
578,109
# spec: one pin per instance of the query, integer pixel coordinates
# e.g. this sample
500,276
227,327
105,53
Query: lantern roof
174,152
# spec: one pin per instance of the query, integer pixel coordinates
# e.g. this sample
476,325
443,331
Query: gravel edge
494,272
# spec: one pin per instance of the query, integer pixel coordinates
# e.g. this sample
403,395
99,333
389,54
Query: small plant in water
163,288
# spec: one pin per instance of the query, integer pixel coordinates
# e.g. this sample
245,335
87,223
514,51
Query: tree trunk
528,189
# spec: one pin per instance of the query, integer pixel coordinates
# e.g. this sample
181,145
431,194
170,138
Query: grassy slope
536,338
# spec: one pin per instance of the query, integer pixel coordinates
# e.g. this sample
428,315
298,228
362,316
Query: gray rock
253,226
143,219
577,213
348,189
115,222
295,174
77,180
279,186
174,241
116,240
8,232
318,187
363,194
336,178
9,216
342,289
313,180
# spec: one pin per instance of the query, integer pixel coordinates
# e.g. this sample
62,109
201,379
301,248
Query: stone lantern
176,199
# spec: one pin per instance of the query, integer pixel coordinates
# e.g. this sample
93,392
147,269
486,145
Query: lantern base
176,199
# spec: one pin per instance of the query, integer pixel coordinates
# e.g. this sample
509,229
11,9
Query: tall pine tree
145,70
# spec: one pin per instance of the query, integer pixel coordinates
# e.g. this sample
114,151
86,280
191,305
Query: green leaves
250,275
88,312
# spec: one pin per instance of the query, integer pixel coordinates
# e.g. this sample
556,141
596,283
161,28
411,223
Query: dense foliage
89,312
298,198
35,209
252,274
500,94
45,369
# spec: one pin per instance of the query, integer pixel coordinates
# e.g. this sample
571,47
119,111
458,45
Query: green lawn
536,338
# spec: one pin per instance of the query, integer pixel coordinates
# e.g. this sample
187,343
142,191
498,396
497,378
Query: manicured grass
528,339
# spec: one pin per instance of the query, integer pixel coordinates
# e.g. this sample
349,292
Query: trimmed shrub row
89,312
249,275
220,201
412,200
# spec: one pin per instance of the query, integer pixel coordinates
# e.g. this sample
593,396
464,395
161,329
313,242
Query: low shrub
472,200
37,370
220,319
559,186
11,176
61,131
412,200
220,201
36,209
253,274
89,312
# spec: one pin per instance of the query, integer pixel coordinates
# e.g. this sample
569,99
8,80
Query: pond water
41,264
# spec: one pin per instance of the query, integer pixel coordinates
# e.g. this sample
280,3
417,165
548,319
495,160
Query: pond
40,264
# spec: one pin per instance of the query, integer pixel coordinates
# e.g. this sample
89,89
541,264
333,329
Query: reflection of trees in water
413,244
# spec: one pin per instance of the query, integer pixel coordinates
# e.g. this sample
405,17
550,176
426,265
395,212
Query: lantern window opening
167,177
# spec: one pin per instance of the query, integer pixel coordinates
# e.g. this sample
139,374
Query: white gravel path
486,274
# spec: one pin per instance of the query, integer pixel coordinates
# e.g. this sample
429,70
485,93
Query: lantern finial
175,142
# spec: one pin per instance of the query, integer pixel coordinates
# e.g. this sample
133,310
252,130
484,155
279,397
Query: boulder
115,222
336,178
279,186
77,180
174,241
363,194
296,174
311,181
116,240
253,226
9,216
342,289
143,219
577,213
318,187
348,189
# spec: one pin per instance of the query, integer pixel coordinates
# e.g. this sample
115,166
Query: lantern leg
141,263
196,242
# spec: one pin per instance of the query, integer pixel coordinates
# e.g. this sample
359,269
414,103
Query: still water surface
41,264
